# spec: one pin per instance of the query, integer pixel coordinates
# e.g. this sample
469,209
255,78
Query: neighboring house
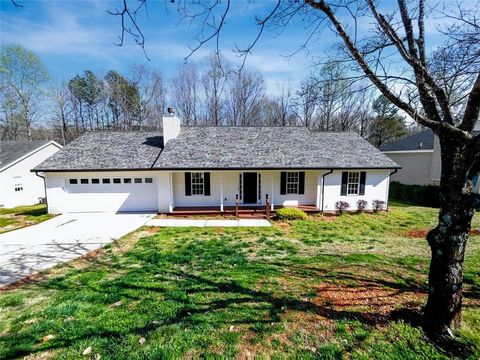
19,186
207,167
416,156
420,158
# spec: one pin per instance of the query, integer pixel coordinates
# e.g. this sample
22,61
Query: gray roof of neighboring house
420,141
218,148
268,147
107,150
11,151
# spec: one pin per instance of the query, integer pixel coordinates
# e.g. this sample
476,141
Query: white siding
19,175
376,188
65,197
416,168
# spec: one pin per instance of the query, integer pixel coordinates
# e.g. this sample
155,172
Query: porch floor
244,211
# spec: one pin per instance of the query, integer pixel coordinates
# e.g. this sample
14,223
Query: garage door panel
111,197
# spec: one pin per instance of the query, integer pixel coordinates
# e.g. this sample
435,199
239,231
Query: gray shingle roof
107,150
420,141
218,148
268,147
11,151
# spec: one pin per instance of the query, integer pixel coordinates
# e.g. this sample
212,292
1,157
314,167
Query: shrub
291,214
362,205
341,206
423,195
378,205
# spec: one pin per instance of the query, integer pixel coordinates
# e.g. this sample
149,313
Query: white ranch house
209,167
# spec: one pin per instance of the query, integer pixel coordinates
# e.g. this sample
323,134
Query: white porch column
170,192
271,191
319,189
221,192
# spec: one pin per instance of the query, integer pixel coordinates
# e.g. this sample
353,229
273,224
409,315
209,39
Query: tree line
210,93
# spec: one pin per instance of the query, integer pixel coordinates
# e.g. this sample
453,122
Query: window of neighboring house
353,183
116,181
138,180
73,181
292,182
83,181
18,187
127,181
105,181
148,180
95,181
197,183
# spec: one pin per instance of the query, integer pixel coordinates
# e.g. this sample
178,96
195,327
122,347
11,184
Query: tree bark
448,240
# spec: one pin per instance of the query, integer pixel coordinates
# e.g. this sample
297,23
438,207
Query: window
259,186
138,180
353,183
127,181
197,183
148,180
105,181
116,181
292,182
95,181
73,181
240,187
83,181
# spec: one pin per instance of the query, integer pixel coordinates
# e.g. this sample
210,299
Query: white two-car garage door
110,194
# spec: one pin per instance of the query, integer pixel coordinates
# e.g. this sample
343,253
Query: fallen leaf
231,328
87,351
142,340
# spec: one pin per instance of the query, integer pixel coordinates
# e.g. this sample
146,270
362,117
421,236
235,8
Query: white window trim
353,183
203,183
297,183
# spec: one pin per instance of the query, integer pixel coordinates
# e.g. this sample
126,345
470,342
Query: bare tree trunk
448,241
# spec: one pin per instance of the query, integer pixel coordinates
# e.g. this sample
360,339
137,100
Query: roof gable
12,151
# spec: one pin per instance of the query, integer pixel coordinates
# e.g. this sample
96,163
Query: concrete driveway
65,237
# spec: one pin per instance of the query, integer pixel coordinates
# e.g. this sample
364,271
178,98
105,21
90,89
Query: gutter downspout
44,188
388,187
323,187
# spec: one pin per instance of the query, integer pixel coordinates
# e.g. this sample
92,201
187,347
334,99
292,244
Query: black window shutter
283,183
188,184
206,184
301,182
344,183
363,176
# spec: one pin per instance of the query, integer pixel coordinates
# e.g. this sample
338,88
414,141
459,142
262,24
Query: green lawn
326,288
21,216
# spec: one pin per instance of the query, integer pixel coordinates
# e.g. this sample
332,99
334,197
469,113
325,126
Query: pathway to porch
208,223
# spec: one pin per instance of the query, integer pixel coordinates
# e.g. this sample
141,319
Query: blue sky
71,36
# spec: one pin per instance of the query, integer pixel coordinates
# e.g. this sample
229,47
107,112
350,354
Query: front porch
242,212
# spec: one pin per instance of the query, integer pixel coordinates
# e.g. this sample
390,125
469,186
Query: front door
249,188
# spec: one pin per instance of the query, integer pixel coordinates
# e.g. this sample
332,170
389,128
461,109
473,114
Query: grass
323,288
21,216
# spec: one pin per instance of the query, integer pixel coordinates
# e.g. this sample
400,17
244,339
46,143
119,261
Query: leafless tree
413,87
246,94
152,93
61,112
306,102
185,94
214,81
